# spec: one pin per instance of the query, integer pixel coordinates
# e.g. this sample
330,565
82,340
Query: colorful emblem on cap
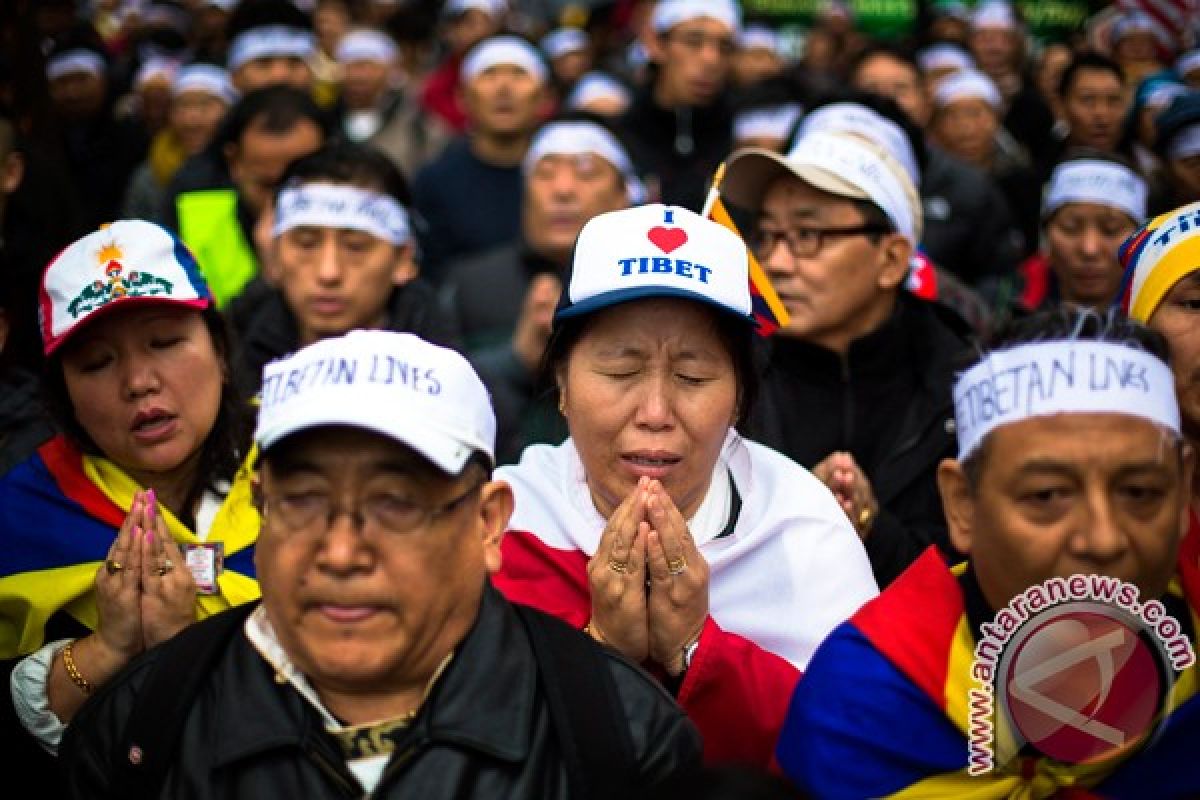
667,239
116,284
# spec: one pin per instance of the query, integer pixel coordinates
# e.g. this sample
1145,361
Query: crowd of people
529,398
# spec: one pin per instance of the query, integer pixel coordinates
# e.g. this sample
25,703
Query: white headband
1061,377
775,122
944,56
155,68
579,138
204,78
853,118
505,49
854,161
994,15
1188,62
1161,97
594,86
75,61
1186,143
321,205
562,41
669,13
967,84
270,41
758,37
366,45
1100,182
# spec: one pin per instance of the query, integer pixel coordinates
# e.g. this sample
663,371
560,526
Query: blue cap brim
618,296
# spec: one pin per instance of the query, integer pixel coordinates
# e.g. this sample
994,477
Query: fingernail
151,498
137,530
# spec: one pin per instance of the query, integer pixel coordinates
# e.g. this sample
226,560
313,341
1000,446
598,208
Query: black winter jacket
484,731
888,403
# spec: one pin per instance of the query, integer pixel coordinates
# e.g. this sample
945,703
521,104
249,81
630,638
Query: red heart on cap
667,239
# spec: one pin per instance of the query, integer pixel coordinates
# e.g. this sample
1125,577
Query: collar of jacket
484,700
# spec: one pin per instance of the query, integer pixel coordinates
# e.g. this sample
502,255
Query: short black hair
251,14
1066,323
885,50
1088,59
343,162
279,108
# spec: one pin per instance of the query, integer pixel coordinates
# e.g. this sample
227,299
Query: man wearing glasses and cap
837,221
381,661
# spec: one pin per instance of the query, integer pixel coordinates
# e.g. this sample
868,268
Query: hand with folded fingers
168,600
617,578
679,579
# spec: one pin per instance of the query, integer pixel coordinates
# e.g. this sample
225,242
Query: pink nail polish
151,500
137,531
150,536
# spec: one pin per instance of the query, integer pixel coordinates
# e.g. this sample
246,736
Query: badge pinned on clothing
206,562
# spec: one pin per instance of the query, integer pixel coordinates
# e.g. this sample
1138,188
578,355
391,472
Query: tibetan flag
766,307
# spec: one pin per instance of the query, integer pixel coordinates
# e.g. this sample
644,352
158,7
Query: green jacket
208,225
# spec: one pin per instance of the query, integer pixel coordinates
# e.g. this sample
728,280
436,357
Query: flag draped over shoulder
59,514
766,307
887,692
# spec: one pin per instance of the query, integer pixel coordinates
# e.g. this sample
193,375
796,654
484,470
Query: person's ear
654,42
12,173
958,503
896,253
404,268
232,153
495,510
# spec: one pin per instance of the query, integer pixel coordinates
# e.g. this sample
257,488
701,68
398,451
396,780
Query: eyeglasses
806,242
310,512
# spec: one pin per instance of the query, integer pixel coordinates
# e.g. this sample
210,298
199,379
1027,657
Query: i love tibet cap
656,251
426,397
122,263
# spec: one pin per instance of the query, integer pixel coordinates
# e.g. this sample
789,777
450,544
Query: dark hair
277,109
737,335
1066,323
223,448
251,14
1089,59
345,162
774,90
885,50
885,107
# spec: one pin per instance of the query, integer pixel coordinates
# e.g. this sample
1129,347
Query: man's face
273,71
570,67
967,128
847,288
888,77
78,95
1178,319
1094,105
194,118
1081,244
363,83
1077,493
1185,175
503,100
694,60
995,49
257,161
335,280
354,604
562,193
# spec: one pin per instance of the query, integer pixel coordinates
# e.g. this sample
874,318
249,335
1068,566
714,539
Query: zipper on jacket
350,787
395,766
685,142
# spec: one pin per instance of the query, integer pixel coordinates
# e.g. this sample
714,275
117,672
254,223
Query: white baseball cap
426,397
656,251
125,262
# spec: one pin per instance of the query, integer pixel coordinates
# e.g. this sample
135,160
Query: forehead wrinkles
1081,443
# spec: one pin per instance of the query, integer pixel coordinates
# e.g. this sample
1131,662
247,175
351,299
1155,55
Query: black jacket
484,731
24,423
889,404
679,148
272,333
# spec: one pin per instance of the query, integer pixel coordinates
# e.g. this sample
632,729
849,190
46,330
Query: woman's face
1082,241
194,117
145,383
649,389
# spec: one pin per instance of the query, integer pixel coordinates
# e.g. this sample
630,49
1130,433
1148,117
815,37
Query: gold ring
113,567
677,566
620,567
864,518
166,566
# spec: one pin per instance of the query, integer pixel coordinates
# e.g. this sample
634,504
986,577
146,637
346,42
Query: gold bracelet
73,671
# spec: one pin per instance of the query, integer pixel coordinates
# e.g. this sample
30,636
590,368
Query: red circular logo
1082,685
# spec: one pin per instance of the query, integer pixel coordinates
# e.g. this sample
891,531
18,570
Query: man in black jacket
342,258
381,661
680,126
857,386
